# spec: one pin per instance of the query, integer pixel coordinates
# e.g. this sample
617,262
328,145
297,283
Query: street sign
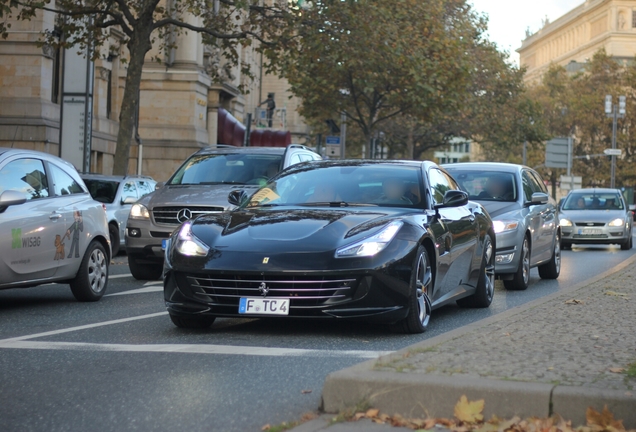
613,152
556,153
332,140
571,182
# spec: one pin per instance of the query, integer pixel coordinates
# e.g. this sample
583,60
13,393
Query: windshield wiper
335,204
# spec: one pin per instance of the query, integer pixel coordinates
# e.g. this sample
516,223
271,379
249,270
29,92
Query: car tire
201,322
485,290
144,271
521,277
92,277
113,233
419,303
552,268
628,244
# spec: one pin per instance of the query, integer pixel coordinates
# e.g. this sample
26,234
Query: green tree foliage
226,24
573,105
418,70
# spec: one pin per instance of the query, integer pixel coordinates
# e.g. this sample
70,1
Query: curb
417,395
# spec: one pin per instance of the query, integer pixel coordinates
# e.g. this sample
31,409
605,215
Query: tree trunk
410,143
138,46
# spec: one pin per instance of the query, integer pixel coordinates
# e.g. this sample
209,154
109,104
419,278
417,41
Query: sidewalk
559,354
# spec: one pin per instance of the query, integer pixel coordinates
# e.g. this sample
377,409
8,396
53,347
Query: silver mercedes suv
200,186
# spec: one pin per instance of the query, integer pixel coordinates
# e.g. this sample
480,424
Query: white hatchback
51,230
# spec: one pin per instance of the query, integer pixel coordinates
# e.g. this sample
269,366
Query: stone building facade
573,38
178,100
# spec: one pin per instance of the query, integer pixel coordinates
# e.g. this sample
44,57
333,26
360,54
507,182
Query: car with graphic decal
51,230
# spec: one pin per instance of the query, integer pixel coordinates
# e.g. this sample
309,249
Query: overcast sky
509,19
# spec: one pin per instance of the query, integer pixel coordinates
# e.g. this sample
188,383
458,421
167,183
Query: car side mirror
11,198
237,197
129,200
453,198
160,185
539,198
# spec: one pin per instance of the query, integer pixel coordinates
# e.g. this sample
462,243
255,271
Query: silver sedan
524,218
596,216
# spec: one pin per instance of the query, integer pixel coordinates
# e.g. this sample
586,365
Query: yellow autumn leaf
469,412
603,421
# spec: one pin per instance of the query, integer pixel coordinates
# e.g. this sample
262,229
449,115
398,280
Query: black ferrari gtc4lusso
386,241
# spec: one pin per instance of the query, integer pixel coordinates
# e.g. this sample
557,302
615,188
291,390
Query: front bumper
595,235
143,239
507,255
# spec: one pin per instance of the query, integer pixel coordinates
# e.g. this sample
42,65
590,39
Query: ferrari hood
290,229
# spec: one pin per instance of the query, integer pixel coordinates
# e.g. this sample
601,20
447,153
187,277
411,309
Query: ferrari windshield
593,201
341,186
232,168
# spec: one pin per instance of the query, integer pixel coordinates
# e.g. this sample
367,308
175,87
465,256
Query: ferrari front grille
304,291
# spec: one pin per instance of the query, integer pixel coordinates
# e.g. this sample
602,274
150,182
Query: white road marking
119,276
149,289
159,282
83,327
190,349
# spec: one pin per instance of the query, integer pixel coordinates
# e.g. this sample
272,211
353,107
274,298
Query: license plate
591,231
264,306
164,243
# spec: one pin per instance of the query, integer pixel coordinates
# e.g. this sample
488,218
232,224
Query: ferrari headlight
618,222
187,244
139,211
504,225
565,222
371,245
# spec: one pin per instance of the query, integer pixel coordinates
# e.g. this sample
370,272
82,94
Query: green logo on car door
16,235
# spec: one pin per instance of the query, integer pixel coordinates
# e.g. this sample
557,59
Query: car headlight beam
618,222
501,226
371,245
188,244
139,211
565,222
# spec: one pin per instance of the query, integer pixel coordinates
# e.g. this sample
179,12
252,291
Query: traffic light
621,106
608,104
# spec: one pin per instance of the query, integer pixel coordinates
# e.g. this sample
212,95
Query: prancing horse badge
265,260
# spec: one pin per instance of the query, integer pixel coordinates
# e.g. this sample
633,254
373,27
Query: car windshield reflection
593,201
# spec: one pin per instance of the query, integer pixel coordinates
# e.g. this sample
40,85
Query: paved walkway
558,354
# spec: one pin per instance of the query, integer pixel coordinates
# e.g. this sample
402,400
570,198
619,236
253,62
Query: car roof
95,176
350,162
595,190
225,149
482,166
5,151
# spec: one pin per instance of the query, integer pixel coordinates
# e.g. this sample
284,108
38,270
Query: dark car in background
118,193
524,217
596,216
200,186
368,240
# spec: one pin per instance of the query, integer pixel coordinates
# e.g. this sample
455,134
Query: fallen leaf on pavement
305,391
266,427
575,301
603,421
359,415
372,413
469,412
616,294
617,370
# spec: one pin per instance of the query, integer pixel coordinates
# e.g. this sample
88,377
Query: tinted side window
64,184
529,185
129,190
26,176
144,187
439,184
451,181
539,181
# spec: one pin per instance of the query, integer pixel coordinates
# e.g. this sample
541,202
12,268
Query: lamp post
614,111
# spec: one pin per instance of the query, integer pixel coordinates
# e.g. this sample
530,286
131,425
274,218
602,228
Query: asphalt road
120,364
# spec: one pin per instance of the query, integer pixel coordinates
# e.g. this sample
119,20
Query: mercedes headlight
371,245
504,225
187,244
565,222
139,211
618,222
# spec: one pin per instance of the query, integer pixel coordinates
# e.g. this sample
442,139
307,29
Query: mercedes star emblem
184,215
